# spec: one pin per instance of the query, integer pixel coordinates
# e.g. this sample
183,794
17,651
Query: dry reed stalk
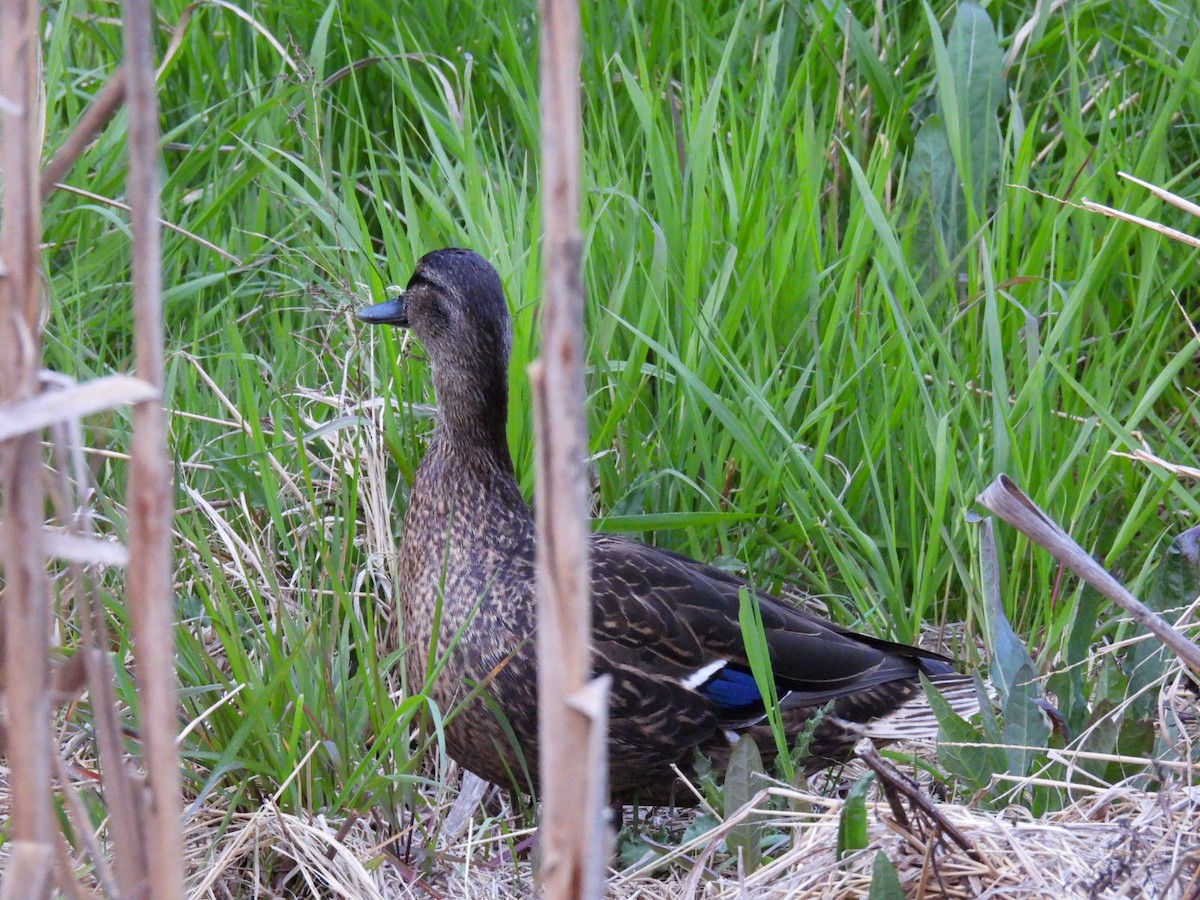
572,712
89,667
1004,498
1162,194
102,108
105,104
1174,233
26,592
31,415
149,583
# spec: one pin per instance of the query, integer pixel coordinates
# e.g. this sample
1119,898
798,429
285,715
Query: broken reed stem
149,582
896,784
72,403
90,667
573,769
26,607
1004,498
102,108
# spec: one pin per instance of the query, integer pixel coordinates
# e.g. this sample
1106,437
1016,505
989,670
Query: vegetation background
838,281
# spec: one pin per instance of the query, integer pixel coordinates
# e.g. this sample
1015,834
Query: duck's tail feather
915,718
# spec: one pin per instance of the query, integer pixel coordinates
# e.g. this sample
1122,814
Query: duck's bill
390,312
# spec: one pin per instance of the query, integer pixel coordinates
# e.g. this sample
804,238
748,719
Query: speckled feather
664,626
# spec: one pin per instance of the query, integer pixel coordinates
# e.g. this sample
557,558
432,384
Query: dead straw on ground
1119,842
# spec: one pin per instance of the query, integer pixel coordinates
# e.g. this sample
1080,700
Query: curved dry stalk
1004,498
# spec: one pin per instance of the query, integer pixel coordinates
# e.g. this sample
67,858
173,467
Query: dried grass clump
275,853
1120,843
270,851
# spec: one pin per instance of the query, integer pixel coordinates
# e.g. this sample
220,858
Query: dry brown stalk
117,204
1004,498
31,415
102,108
571,712
91,667
26,591
1175,233
896,785
149,584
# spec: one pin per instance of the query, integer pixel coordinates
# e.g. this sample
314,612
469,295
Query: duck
665,627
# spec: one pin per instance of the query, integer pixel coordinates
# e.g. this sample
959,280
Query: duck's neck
473,418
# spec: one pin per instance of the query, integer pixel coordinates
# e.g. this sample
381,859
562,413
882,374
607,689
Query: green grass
780,359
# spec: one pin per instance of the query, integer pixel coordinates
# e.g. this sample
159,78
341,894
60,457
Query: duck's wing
678,619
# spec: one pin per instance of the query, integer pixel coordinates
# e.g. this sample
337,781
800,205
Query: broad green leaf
974,765
1025,725
632,849
936,198
885,883
956,154
1012,668
1176,584
976,67
743,779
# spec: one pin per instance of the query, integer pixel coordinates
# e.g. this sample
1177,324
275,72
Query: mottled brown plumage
664,626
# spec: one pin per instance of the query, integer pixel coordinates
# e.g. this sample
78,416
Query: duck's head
454,300
455,304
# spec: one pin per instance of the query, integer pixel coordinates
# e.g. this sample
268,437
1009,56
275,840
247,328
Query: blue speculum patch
732,688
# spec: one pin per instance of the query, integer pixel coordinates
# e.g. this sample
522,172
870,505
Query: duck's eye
438,311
